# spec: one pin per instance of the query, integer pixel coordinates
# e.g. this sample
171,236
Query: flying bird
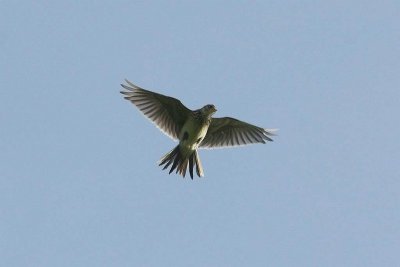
192,128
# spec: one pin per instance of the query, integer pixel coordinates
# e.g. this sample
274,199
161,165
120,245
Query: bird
194,129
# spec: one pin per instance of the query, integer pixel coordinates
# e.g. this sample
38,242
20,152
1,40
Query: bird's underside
193,129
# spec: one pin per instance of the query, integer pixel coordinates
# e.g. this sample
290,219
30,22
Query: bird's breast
192,133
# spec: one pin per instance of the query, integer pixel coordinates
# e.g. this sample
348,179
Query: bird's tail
180,162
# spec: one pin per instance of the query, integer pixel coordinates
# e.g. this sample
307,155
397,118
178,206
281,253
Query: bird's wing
224,132
168,113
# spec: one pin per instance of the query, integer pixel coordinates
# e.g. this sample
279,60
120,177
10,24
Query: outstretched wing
168,113
224,132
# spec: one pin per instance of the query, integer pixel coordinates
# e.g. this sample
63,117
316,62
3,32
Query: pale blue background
79,183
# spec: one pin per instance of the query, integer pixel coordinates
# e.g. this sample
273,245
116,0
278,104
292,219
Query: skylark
193,128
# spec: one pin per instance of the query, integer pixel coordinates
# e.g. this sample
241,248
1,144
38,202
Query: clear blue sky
79,181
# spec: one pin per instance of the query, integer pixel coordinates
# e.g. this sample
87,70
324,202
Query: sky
79,180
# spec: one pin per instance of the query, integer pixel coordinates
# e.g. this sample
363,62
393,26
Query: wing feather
168,113
228,132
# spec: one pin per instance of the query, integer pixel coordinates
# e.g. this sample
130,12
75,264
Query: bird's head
208,109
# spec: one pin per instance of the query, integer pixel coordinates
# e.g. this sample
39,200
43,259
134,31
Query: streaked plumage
194,129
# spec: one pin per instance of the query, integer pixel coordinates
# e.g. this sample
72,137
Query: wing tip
130,86
271,132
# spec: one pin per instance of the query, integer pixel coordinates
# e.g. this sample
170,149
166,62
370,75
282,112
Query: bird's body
194,129
192,133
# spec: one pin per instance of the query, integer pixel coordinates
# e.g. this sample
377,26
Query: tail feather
199,168
182,168
191,166
180,163
168,158
177,161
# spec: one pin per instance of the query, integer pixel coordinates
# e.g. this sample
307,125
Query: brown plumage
194,129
